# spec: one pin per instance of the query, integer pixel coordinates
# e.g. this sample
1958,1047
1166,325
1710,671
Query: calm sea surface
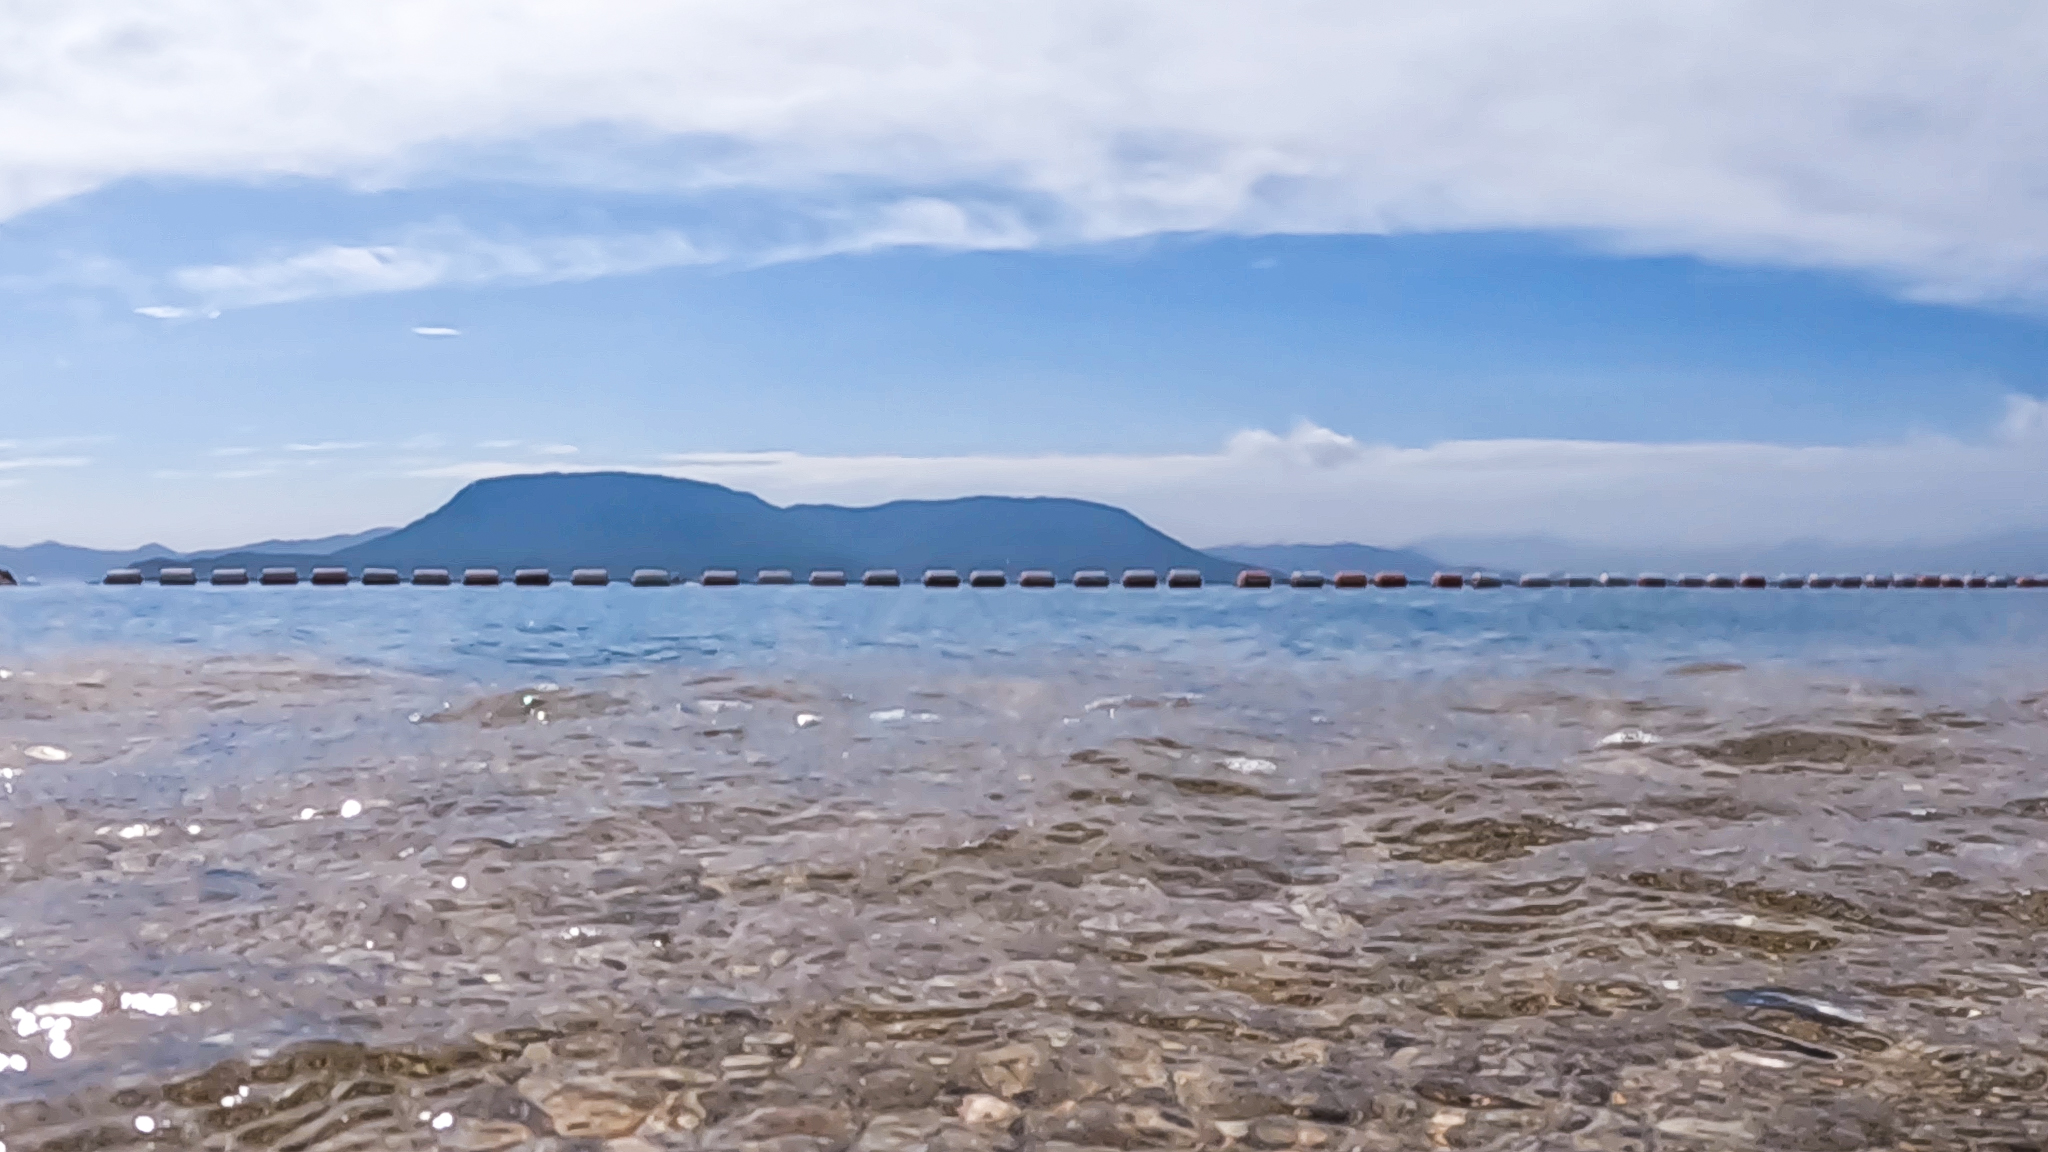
818,869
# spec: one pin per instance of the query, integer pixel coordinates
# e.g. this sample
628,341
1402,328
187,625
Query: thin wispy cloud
44,445
1899,144
428,258
449,256
437,333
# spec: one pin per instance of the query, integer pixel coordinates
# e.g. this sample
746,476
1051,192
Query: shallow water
810,869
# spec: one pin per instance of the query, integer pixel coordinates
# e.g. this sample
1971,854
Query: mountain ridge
1330,558
51,560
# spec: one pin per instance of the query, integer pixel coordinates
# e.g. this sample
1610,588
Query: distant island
626,520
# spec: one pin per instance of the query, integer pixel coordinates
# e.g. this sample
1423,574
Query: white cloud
22,462
555,450
328,446
442,333
2026,420
1898,139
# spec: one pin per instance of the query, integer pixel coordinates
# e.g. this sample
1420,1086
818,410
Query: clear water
490,634
877,869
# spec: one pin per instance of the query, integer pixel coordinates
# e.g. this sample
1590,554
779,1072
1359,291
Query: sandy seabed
278,904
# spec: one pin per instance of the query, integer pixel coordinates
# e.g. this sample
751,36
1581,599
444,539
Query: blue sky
1589,272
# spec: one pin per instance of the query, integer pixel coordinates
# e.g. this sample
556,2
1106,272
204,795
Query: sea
809,870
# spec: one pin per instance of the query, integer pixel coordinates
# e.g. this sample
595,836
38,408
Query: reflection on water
307,902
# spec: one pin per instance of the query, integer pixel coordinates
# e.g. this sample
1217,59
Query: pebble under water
806,870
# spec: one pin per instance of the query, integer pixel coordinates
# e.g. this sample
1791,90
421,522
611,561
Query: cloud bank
1314,485
1308,485
1893,138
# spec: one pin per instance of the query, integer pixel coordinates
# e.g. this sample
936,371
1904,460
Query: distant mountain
55,563
52,562
320,546
2011,552
624,520
1330,558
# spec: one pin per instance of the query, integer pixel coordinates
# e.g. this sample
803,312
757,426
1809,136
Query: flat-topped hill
627,520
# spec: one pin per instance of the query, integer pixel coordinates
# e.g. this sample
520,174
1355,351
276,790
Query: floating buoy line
1179,578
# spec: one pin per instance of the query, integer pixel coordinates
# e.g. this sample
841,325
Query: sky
1685,274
